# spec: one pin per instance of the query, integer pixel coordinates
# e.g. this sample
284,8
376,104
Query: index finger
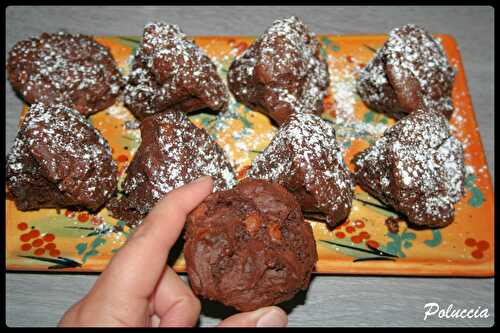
138,266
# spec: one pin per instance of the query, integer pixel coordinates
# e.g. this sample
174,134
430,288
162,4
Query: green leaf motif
322,51
98,241
244,119
369,117
477,197
89,254
81,247
436,239
329,44
398,242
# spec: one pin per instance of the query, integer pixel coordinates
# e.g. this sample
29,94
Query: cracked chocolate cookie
305,158
173,152
70,69
59,160
417,168
170,71
409,72
249,247
282,72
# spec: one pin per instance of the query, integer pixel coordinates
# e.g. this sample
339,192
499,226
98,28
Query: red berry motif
83,217
122,158
22,226
364,235
351,228
32,242
480,246
356,239
50,247
478,254
359,224
25,237
483,245
69,213
49,237
470,242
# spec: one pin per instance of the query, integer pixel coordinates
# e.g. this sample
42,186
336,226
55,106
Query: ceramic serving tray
51,240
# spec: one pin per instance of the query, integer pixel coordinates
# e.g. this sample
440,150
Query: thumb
271,316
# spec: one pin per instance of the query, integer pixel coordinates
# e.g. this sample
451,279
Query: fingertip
183,199
270,316
202,179
273,317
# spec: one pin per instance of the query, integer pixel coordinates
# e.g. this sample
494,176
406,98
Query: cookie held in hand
249,247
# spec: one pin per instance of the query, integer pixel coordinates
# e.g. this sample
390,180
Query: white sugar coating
343,89
175,153
295,75
417,167
412,49
168,65
63,68
409,53
65,148
306,145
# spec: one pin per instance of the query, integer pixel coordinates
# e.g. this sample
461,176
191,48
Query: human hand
138,289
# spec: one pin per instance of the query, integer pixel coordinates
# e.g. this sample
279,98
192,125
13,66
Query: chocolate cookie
73,70
409,72
281,72
173,152
249,247
305,158
417,167
59,160
170,70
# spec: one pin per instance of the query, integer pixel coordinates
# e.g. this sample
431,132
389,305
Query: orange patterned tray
47,240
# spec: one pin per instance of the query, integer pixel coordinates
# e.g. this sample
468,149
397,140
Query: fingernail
201,179
274,317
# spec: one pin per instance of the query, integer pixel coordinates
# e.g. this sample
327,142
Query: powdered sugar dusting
281,71
410,69
62,68
173,152
305,145
169,69
59,144
417,167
